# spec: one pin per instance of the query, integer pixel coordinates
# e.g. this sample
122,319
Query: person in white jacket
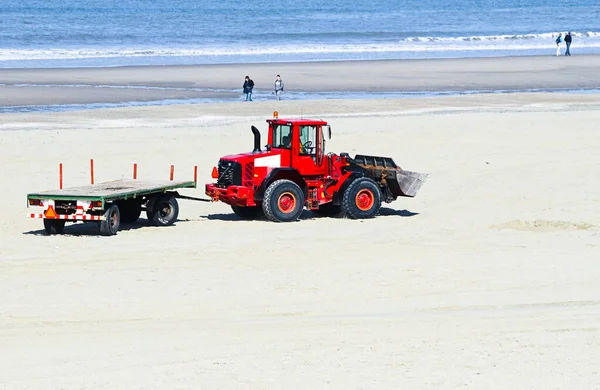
278,87
559,40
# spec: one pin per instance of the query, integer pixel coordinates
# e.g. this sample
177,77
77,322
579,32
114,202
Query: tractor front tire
163,211
362,199
247,213
109,226
283,201
54,226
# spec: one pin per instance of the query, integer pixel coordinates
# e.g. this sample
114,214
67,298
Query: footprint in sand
542,225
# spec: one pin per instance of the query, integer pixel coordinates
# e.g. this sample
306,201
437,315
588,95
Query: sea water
65,33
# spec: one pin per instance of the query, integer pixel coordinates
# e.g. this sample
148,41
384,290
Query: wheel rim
114,219
286,202
365,199
165,211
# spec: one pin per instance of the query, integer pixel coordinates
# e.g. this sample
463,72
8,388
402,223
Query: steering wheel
307,146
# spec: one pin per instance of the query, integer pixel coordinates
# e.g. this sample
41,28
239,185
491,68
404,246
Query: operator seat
286,141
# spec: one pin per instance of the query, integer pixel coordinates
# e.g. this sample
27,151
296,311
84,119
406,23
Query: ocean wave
503,38
520,42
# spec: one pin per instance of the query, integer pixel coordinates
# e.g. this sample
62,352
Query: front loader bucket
384,169
410,182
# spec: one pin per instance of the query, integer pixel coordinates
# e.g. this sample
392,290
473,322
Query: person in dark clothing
248,85
568,40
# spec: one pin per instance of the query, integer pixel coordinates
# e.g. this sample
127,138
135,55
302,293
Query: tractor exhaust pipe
256,140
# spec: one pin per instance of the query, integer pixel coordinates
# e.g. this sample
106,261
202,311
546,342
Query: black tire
54,226
109,226
283,201
362,199
130,209
163,211
247,213
328,210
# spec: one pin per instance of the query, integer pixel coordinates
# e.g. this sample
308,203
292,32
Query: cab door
310,150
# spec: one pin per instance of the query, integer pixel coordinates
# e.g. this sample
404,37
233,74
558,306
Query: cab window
308,139
282,136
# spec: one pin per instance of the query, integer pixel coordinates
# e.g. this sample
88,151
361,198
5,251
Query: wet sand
91,85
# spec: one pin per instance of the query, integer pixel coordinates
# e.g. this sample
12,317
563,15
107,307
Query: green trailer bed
109,204
113,190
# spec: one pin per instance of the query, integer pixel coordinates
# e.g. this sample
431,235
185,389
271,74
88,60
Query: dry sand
488,279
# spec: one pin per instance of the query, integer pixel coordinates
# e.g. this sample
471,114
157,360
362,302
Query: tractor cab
301,143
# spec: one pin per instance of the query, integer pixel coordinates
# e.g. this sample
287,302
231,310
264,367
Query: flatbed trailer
109,204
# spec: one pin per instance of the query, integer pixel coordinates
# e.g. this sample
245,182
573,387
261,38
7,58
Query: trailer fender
278,174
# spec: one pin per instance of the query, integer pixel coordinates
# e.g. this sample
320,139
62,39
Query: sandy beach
487,279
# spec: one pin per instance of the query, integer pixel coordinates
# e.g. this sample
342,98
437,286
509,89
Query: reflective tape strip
82,205
73,217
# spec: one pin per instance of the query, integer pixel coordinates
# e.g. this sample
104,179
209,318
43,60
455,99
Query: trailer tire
283,201
54,226
362,199
130,209
247,213
163,211
109,226
328,210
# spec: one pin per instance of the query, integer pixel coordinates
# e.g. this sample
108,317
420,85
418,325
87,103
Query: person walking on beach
248,86
568,40
558,41
278,87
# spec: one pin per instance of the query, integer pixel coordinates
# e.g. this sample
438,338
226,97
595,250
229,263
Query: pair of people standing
249,86
568,39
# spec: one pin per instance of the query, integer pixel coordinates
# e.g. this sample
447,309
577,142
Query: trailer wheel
109,226
130,209
163,211
283,201
54,226
247,213
362,199
328,210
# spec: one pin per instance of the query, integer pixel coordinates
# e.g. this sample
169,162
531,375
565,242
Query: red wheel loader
294,172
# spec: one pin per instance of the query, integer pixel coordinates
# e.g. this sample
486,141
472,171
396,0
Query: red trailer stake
134,171
60,176
92,170
172,172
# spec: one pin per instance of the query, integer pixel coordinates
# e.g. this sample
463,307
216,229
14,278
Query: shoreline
292,62
51,89
184,61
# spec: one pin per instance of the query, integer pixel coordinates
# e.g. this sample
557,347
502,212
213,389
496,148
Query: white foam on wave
503,38
522,42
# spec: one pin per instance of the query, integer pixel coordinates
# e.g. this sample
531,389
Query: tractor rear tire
163,211
54,226
283,201
109,226
362,199
247,213
328,210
